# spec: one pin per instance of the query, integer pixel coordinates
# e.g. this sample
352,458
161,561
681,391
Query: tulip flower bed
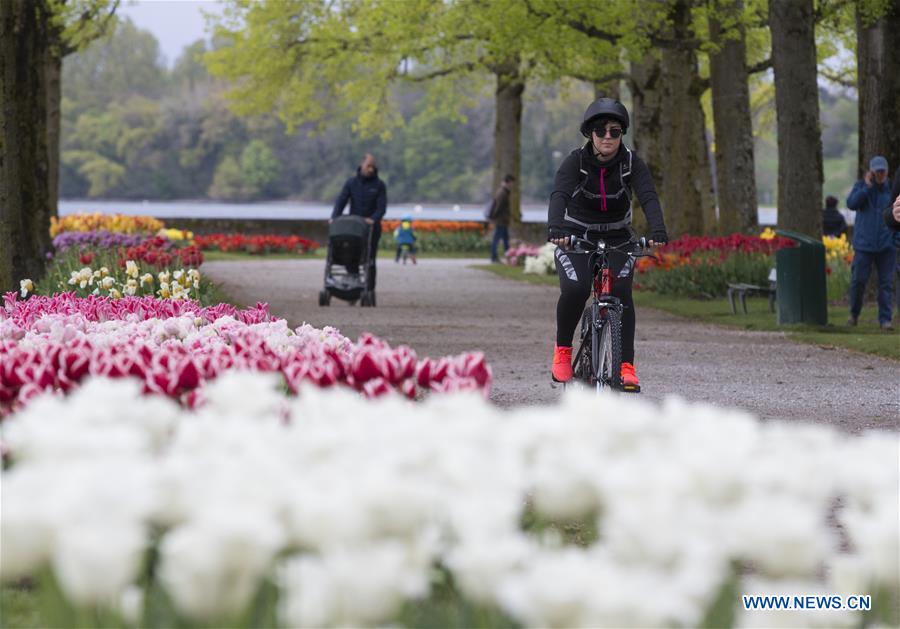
173,349
441,236
87,241
112,275
703,266
440,227
260,244
158,251
130,262
838,261
328,509
519,251
118,223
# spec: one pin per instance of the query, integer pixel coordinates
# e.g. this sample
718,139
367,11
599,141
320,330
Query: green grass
515,273
19,607
215,295
240,255
319,254
867,337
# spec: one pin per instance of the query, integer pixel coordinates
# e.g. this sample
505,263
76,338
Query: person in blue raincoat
405,237
872,241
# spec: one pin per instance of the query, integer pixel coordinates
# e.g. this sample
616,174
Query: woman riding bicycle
593,187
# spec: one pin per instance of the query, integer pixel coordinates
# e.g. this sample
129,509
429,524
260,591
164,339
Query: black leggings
575,280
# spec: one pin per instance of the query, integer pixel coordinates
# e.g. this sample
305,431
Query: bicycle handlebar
584,245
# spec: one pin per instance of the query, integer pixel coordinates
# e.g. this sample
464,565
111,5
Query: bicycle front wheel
582,369
609,350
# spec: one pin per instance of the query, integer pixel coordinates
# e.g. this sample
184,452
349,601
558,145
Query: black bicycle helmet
604,108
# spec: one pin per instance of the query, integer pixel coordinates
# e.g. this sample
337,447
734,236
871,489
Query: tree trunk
878,85
735,171
54,100
797,111
687,184
508,134
24,199
646,123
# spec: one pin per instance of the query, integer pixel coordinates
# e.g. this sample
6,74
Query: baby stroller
349,262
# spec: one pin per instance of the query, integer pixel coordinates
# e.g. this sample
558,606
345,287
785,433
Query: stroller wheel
324,298
366,300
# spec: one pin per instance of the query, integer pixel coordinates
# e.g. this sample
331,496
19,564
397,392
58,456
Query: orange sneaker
629,377
562,364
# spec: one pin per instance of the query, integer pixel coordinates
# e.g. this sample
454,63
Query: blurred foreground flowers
332,510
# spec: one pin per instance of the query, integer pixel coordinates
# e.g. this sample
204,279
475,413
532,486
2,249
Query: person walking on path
367,195
833,222
593,187
872,241
500,215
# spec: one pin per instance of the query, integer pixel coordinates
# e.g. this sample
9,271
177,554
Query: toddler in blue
405,237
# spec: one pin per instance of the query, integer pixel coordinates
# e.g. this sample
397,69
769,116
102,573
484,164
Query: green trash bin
800,281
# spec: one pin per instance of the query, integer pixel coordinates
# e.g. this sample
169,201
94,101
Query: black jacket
502,212
833,222
589,192
367,196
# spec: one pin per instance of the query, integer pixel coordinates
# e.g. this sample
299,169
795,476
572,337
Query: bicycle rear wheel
609,350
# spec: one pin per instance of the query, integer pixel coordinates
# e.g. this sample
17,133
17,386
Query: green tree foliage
169,134
176,137
259,167
125,63
228,183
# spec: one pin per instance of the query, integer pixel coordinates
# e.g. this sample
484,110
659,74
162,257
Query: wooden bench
742,290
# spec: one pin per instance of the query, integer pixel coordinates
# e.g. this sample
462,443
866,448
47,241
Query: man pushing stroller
367,195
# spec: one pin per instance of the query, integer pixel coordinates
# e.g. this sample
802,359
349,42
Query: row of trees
134,129
316,61
383,69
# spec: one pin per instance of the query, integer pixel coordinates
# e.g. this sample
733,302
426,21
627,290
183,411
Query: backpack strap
584,175
624,179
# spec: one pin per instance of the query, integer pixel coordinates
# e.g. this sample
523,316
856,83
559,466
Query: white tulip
211,567
94,561
332,590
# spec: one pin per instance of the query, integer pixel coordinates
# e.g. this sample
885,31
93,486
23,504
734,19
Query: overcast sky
175,23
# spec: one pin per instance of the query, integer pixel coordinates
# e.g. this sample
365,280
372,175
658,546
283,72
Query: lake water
281,210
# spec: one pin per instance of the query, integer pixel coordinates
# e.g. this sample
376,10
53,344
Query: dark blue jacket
870,233
367,196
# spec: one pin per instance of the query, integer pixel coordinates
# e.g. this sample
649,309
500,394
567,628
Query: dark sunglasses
614,132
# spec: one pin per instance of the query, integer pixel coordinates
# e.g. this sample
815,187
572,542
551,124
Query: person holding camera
872,241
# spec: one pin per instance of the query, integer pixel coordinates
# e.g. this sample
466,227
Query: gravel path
442,307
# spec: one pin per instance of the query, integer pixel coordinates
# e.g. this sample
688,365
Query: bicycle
404,252
598,362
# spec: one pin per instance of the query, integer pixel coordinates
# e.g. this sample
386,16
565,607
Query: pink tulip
53,343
